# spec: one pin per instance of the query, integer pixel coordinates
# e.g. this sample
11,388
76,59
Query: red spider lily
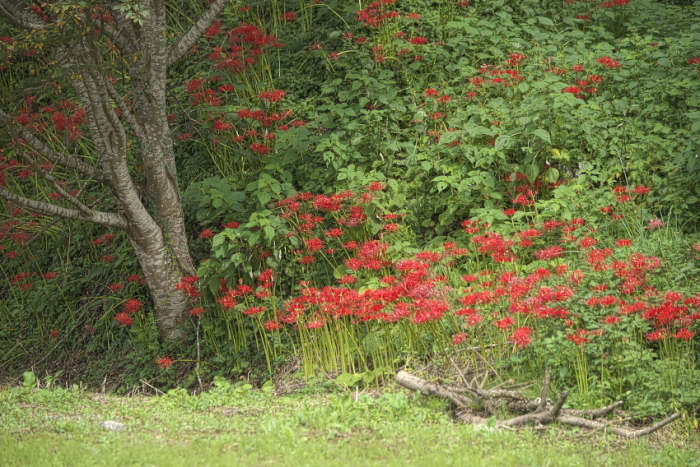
124,318
328,203
267,275
429,310
206,233
188,285
636,307
308,260
657,335
221,125
376,186
214,29
21,278
522,337
474,320
228,301
430,256
684,334
315,244
317,324
506,322
665,314
579,338
273,96
655,224
348,279
588,242
459,338
609,62
614,3
554,251
612,319
133,306
419,40
530,233
199,311
165,362
103,239
243,289
260,148
596,257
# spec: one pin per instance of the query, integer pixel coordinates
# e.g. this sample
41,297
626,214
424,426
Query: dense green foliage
404,119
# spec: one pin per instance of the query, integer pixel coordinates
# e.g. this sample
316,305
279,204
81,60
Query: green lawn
236,425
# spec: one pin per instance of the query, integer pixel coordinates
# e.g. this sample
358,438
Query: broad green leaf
542,134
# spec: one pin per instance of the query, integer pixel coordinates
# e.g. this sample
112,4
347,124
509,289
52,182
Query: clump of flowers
557,277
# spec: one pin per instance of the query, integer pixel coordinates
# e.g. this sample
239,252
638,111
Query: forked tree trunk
152,218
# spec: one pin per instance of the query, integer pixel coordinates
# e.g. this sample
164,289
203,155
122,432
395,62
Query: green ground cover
239,425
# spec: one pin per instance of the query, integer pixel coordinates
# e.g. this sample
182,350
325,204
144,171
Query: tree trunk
162,274
153,218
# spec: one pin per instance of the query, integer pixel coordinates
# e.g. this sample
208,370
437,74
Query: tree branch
592,413
180,47
545,390
18,13
624,432
117,36
55,157
107,219
537,411
415,383
54,184
543,417
126,112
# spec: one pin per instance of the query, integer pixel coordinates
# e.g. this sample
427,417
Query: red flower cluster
614,3
609,62
165,362
376,14
273,96
188,284
125,318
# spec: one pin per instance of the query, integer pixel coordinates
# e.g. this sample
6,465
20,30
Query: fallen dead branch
474,398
